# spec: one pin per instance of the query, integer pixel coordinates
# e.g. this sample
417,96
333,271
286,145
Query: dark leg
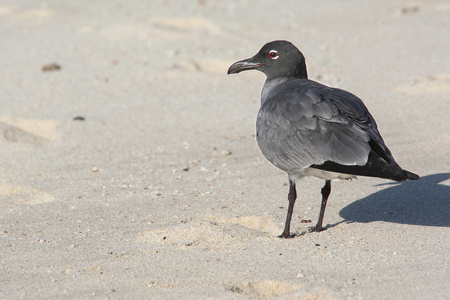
291,197
325,193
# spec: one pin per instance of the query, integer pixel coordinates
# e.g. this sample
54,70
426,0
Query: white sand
162,192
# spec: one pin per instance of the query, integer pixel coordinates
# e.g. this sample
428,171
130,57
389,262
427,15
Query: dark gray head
275,59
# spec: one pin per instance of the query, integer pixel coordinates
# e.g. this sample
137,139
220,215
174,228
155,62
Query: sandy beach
130,170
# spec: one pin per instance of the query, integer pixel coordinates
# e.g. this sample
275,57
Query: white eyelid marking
273,51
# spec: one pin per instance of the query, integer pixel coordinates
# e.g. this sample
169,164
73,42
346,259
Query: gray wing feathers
355,110
303,126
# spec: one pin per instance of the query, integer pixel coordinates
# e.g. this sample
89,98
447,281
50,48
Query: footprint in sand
186,24
23,195
205,65
15,13
159,28
213,233
264,289
206,234
426,85
28,131
271,289
263,224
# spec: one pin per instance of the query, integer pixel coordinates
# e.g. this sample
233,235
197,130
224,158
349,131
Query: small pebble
51,67
225,152
410,10
172,52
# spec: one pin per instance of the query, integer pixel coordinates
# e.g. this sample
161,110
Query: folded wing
305,124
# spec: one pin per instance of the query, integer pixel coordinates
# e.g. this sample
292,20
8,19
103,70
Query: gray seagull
308,129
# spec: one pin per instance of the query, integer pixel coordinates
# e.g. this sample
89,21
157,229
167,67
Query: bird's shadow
424,202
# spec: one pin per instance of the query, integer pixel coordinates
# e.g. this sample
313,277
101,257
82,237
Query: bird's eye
273,54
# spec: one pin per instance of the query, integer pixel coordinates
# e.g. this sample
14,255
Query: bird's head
275,59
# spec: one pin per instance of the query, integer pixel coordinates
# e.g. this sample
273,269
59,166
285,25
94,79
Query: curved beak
243,65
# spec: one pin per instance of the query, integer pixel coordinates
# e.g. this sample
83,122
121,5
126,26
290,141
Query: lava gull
308,129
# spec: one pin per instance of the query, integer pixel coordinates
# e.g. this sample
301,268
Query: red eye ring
273,54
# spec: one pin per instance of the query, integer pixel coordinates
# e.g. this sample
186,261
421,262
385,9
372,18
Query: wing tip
411,175
405,175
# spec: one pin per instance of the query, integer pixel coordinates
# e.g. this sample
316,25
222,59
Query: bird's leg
325,193
292,196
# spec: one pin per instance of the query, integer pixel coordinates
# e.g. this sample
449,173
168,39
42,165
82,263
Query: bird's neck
301,72
271,82
269,85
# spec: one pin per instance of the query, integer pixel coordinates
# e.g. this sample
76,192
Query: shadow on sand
423,202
